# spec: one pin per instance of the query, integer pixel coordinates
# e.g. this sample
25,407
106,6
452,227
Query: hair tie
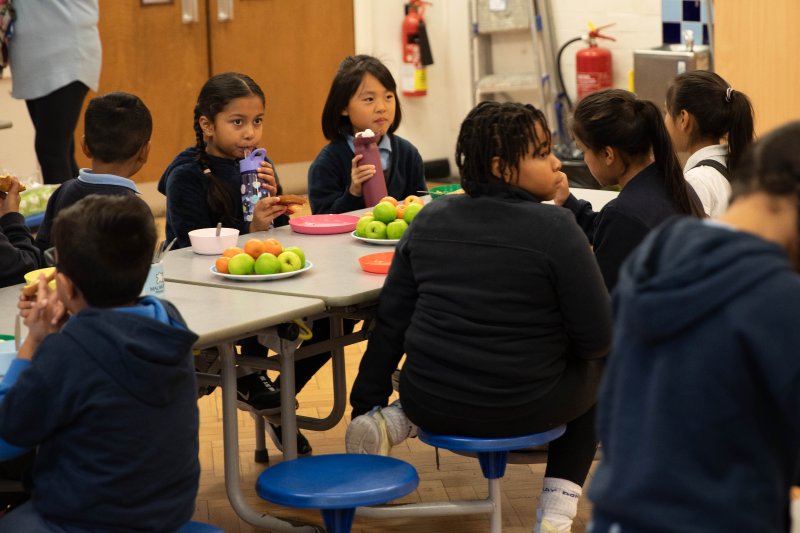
728,92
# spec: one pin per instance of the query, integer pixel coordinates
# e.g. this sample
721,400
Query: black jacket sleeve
329,183
373,384
18,254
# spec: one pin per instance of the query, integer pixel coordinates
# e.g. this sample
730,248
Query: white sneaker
377,431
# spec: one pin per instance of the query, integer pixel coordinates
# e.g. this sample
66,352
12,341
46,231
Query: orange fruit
233,250
222,264
272,246
254,248
401,210
413,199
389,199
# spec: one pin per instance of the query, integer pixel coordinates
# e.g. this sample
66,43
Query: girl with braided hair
625,143
202,185
499,305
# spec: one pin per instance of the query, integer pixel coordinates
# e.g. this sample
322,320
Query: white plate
262,277
383,242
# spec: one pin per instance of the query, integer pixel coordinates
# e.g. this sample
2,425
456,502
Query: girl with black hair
702,111
363,95
625,143
500,308
203,187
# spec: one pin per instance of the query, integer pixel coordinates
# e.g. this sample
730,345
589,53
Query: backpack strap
716,165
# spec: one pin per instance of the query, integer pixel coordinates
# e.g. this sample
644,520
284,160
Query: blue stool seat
337,484
199,527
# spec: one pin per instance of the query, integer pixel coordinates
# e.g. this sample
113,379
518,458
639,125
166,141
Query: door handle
224,10
189,11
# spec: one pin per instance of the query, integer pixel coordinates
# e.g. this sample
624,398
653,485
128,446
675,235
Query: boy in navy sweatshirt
698,412
117,140
104,384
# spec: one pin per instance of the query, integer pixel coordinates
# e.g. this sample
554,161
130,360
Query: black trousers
54,118
571,402
304,369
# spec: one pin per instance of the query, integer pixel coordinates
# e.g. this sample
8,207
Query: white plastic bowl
205,241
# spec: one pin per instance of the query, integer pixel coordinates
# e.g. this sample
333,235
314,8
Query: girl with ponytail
202,184
625,143
702,111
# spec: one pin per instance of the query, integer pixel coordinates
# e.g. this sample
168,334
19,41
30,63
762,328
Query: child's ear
85,147
609,155
686,121
345,113
206,126
144,153
69,293
495,167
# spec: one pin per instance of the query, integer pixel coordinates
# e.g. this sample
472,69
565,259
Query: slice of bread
291,199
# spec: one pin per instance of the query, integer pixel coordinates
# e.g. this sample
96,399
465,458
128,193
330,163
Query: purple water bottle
374,188
251,189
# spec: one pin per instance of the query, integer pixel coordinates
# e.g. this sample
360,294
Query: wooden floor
458,478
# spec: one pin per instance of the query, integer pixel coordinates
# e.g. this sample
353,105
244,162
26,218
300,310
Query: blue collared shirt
87,176
385,148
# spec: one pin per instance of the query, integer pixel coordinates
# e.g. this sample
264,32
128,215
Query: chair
492,454
199,527
337,484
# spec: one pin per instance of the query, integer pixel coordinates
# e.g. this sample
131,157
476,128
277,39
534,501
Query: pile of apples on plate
260,257
389,219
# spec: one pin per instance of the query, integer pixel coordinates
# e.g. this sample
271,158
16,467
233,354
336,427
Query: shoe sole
363,437
276,441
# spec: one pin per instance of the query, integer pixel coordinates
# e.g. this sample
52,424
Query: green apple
241,264
290,262
361,225
385,212
267,264
299,253
395,230
376,230
411,212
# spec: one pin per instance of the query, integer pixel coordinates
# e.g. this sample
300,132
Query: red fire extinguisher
416,50
594,68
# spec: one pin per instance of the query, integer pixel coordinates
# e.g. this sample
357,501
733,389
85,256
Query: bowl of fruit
260,261
205,241
387,221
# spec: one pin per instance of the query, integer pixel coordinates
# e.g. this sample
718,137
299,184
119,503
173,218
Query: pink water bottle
374,188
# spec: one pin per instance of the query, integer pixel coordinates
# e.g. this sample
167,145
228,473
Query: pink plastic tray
324,224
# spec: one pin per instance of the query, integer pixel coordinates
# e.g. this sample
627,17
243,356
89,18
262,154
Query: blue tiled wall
680,15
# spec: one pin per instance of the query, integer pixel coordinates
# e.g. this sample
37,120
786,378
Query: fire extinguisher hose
558,71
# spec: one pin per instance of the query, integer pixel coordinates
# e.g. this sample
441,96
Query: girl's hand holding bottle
265,212
359,175
267,176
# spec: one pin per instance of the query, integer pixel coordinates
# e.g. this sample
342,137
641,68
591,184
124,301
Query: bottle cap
252,161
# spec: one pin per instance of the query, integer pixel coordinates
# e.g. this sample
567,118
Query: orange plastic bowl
376,263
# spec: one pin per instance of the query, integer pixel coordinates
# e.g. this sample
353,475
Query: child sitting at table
363,96
625,143
104,385
117,129
513,343
18,255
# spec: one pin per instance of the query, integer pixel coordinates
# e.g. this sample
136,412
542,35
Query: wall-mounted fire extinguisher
416,50
593,64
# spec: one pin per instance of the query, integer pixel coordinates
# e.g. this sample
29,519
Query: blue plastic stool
493,456
199,527
336,484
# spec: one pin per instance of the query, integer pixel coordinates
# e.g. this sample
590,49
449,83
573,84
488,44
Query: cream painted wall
432,122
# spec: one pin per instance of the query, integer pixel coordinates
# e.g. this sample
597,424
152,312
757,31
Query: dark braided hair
217,93
496,129
633,127
718,110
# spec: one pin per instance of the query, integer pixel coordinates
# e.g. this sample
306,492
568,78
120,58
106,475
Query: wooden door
291,49
150,52
753,45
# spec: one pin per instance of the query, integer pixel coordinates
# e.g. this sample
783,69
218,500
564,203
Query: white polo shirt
711,186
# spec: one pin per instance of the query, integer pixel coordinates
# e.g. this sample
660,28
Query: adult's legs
54,118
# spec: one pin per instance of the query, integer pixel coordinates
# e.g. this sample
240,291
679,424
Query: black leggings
54,118
571,401
304,369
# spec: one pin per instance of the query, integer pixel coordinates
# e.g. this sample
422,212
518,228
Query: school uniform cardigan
329,176
623,223
18,255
